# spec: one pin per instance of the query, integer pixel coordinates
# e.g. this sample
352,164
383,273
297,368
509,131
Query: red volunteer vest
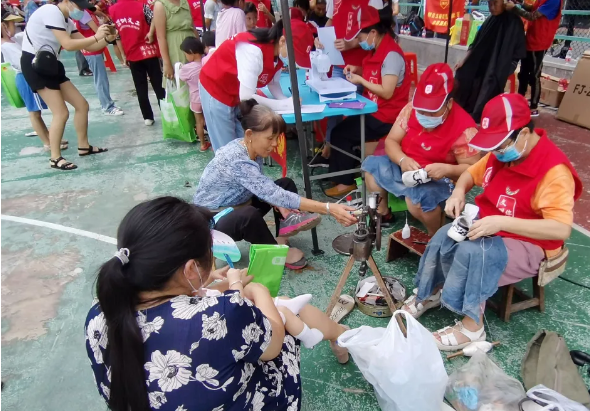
263,21
195,6
540,33
427,147
509,190
345,13
88,32
130,21
220,75
387,110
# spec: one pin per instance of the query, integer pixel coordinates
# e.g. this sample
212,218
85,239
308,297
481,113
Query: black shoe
387,220
319,161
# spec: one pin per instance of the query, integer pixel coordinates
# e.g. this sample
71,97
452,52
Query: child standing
251,15
189,73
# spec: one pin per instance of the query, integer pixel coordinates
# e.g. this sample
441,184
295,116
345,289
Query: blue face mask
366,46
429,122
76,14
511,153
285,60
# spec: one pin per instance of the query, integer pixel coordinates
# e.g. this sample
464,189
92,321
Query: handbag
267,264
45,61
553,267
9,88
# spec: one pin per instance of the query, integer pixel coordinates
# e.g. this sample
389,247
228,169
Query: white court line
60,227
581,229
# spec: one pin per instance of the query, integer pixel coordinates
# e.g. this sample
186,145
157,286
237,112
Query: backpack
415,23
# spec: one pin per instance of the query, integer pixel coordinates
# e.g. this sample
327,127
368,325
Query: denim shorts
388,176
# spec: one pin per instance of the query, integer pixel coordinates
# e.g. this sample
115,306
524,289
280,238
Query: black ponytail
385,25
259,118
265,36
161,236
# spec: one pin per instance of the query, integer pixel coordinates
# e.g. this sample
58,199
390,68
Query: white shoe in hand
414,178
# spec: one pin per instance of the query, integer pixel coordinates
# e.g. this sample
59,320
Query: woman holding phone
50,29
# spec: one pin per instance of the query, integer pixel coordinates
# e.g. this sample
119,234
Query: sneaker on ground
319,161
296,222
534,113
113,111
148,122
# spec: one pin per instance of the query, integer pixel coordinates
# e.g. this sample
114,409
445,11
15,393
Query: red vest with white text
540,32
130,22
88,32
195,6
220,75
387,110
509,190
345,14
263,21
427,147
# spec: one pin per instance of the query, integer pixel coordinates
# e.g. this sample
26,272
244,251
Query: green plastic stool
394,203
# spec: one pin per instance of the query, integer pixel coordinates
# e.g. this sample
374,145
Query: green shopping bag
178,121
267,263
9,86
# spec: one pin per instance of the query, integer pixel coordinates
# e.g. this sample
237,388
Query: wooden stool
398,247
507,306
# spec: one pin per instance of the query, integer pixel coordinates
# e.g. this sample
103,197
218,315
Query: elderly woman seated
526,212
431,133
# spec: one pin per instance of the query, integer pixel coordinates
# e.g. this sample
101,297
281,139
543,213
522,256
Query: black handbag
45,61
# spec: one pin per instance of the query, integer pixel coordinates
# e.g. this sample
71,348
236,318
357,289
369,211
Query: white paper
327,36
305,109
365,289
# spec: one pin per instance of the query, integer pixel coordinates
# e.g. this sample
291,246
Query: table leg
364,190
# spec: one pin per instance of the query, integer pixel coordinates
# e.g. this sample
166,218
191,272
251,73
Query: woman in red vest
382,75
526,214
238,67
430,133
141,53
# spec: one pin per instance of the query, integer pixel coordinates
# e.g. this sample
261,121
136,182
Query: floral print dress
201,354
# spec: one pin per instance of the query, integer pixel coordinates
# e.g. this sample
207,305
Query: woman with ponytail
383,77
158,339
248,61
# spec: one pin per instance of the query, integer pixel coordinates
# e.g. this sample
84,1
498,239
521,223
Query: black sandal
65,166
90,151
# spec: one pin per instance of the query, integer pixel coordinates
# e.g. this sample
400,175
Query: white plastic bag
480,385
407,374
552,400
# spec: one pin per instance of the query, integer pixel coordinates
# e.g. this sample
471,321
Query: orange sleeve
478,170
554,197
404,117
461,147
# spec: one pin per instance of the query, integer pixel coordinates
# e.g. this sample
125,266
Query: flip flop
297,265
342,308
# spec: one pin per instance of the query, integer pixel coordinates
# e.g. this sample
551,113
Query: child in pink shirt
230,21
189,73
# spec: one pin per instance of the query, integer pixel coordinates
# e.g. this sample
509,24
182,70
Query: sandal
344,306
416,310
448,341
62,146
65,166
297,265
90,150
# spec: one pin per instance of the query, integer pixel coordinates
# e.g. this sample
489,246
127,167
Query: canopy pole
298,119
448,30
203,16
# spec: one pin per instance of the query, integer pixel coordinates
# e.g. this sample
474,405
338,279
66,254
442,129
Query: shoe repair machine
359,246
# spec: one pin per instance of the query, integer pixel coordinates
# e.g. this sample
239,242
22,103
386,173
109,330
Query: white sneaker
148,122
414,178
114,111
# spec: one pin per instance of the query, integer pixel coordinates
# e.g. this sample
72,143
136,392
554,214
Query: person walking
88,26
140,52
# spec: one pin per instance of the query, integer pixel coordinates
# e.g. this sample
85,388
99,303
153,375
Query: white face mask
195,291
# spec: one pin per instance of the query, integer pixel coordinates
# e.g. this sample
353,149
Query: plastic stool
108,61
512,80
412,60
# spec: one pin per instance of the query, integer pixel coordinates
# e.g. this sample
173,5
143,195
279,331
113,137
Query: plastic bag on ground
480,385
553,400
407,374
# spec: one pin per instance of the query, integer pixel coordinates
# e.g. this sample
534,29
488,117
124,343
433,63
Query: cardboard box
551,97
575,107
549,82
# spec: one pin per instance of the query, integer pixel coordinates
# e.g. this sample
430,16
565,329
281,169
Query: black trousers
82,63
247,222
346,136
140,70
530,75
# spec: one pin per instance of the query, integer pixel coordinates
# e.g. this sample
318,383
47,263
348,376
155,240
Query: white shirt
45,19
229,23
11,53
212,8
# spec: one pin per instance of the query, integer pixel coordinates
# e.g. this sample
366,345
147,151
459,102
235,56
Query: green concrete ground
48,275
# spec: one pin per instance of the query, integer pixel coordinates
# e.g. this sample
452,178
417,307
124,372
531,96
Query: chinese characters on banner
436,14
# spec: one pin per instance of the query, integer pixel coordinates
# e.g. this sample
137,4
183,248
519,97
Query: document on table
305,109
327,36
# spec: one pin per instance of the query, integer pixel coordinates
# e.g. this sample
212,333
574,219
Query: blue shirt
201,354
550,9
231,178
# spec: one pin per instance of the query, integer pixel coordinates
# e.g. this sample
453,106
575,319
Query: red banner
279,154
436,14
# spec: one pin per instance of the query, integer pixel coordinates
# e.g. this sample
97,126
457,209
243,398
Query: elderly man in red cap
525,211
428,146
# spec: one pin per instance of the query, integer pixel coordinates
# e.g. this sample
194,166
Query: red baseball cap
363,16
501,116
302,40
435,84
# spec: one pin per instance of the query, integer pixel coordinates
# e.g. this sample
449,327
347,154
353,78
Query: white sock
310,336
294,304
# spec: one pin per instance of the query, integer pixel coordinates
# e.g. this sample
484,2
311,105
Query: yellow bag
456,32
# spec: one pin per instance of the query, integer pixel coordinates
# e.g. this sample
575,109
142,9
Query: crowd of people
168,331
